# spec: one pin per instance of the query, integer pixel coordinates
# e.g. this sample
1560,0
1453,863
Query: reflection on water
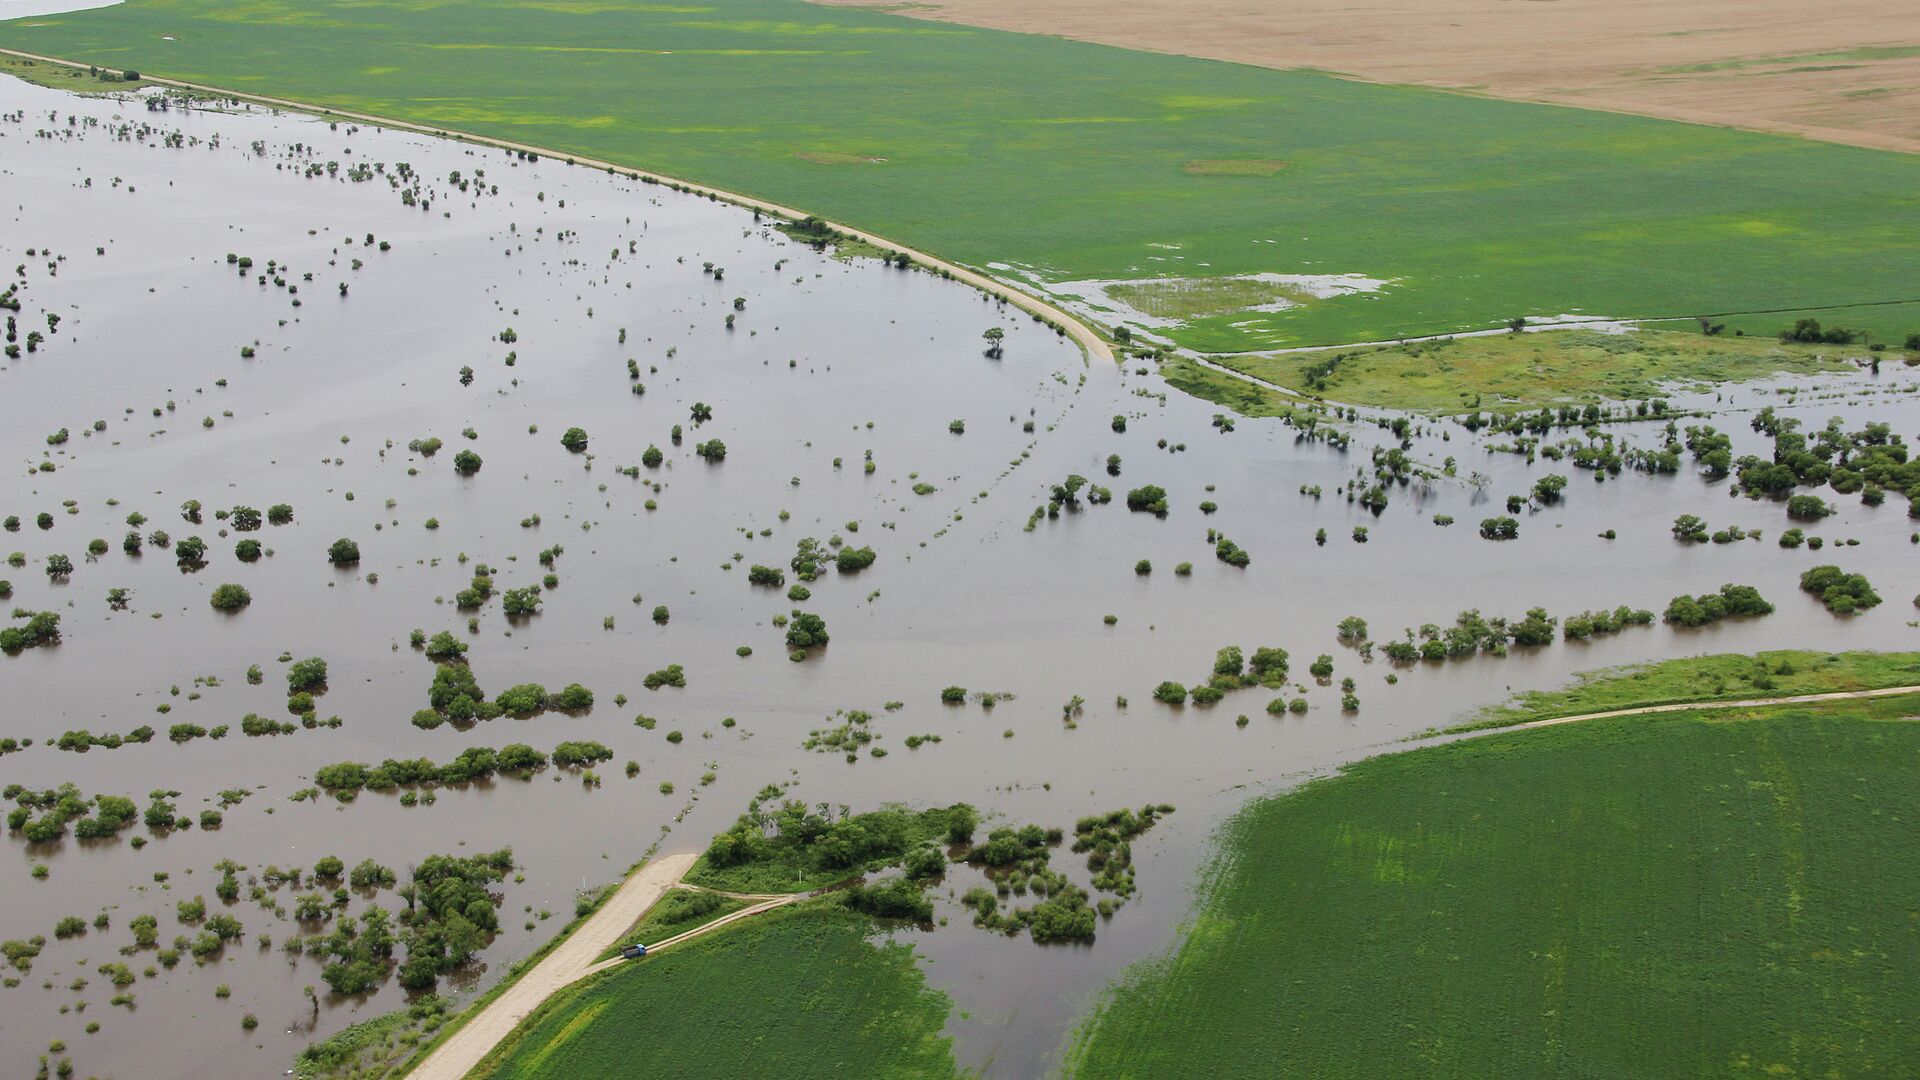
826,365
20,9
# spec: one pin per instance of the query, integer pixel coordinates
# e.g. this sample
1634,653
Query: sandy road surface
765,904
568,962
1016,295
1774,65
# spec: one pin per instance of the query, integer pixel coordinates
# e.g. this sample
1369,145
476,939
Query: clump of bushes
1588,623
231,597
1807,508
1148,498
852,559
41,628
1843,593
342,552
1731,600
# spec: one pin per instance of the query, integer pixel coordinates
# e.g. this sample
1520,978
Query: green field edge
562,998
1860,670
1218,860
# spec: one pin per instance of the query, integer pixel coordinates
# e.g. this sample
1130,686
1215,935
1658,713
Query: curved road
1080,332
1693,706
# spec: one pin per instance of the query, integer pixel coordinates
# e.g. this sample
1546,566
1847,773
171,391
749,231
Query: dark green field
791,994
1689,895
1082,162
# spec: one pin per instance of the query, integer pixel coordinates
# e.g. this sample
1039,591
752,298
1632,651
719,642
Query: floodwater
826,362
20,9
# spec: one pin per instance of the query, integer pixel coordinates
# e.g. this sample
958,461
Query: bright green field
1085,162
791,994
1687,895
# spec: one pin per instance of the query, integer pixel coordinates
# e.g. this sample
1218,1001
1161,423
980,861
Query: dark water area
826,362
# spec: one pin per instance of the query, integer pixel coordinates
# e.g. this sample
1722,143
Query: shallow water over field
826,362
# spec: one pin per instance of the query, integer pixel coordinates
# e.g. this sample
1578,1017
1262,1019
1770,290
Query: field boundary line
703,928
1081,334
1694,706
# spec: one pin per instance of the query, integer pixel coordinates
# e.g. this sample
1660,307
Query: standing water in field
392,337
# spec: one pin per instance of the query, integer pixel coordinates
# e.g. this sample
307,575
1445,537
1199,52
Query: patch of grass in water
1509,372
1186,298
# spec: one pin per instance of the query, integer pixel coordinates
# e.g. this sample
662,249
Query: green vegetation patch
1510,372
62,77
794,993
679,910
1074,162
836,157
794,847
373,1049
1186,298
1697,894
1222,388
1722,677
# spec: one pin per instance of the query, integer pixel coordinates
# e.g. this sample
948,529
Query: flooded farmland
255,309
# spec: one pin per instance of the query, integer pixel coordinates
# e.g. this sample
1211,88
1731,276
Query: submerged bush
1843,593
231,597
342,552
1731,600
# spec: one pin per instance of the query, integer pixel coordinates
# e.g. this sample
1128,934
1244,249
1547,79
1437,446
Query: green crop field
1071,164
793,994
1706,894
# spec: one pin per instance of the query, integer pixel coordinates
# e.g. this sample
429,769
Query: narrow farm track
570,961
704,928
573,960
684,887
1694,706
1082,334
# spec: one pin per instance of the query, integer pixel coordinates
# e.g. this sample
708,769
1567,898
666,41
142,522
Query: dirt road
570,961
1691,706
765,904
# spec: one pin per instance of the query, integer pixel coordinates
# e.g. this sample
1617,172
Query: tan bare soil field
1842,70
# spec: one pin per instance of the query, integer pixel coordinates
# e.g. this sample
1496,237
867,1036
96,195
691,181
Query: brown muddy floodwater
120,221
